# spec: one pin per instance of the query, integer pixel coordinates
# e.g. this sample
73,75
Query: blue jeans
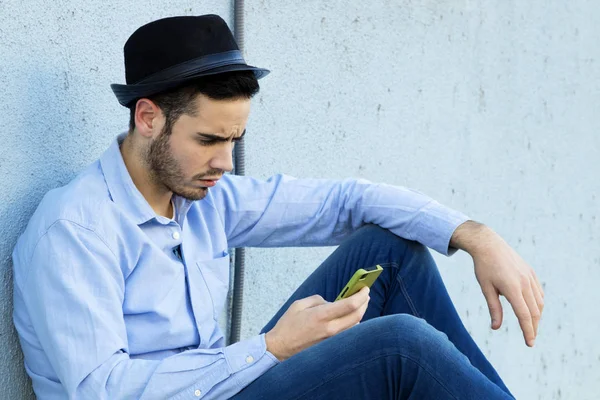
411,343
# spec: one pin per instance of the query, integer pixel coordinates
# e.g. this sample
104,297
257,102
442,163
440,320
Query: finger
534,305
345,306
347,321
519,305
493,301
533,311
539,285
539,295
308,302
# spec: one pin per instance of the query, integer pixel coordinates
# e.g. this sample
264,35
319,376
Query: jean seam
376,358
404,291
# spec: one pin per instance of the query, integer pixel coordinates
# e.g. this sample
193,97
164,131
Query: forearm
185,375
411,215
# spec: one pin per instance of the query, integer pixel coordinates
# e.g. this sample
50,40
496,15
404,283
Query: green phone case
359,280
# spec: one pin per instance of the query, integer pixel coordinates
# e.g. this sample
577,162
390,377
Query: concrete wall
486,107
490,107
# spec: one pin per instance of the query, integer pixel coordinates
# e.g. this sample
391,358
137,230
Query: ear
147,118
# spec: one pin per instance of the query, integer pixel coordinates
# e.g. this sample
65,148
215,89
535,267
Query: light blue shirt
106,309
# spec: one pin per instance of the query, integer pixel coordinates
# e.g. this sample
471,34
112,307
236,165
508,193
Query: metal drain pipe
237,301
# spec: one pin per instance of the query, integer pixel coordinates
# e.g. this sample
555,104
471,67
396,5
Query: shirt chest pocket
216,275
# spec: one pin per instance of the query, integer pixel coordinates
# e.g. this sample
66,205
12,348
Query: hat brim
126,94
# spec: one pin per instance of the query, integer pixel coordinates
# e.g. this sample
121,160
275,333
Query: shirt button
249,359
197,393
176,235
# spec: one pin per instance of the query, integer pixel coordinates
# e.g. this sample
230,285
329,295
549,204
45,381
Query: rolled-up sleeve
73,292
284,211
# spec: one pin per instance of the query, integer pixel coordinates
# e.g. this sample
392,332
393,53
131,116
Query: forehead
229,111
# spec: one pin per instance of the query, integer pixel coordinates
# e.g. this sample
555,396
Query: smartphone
360,279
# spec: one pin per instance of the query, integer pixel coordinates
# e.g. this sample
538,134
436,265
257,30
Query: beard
165,170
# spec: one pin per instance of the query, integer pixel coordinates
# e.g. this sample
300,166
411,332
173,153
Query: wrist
272,346
471,237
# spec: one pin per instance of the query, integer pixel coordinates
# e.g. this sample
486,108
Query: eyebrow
221,138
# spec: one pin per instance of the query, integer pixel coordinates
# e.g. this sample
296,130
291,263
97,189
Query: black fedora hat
169,52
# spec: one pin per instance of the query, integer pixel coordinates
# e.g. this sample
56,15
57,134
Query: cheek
193,160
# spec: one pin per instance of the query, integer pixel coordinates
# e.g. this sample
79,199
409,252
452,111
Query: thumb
493,301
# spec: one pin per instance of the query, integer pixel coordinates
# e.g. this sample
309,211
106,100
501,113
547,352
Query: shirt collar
123,191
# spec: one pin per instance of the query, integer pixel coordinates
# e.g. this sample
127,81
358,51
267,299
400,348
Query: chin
192,194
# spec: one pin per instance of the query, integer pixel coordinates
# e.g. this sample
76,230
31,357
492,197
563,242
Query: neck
157,196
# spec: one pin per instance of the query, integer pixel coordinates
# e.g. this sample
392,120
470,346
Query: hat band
194,66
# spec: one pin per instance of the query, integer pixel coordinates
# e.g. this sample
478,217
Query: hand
311,320
501,271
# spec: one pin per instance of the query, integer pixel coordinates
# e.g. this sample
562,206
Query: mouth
208,182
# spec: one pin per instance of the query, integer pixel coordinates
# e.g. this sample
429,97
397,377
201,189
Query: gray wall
486,107
490,107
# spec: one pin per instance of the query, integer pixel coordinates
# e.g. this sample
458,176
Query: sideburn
164,169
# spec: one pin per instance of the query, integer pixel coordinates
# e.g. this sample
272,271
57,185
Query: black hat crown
169,52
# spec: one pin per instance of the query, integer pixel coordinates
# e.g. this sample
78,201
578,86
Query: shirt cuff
243,363
272,357
243,354
437,225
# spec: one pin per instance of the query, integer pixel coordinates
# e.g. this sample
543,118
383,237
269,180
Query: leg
409,284
393,357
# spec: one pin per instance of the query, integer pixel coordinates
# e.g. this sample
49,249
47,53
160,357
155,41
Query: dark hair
179,101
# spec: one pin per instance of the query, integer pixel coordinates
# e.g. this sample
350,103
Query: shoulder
81,201
85,201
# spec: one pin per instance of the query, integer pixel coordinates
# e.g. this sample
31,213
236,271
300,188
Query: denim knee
407,336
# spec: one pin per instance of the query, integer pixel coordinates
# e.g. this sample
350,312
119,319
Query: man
121,274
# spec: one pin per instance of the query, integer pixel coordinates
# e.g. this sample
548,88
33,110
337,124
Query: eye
206,142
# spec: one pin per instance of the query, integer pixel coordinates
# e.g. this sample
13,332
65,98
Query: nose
223,158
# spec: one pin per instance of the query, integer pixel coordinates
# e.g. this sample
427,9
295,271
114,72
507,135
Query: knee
408,336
